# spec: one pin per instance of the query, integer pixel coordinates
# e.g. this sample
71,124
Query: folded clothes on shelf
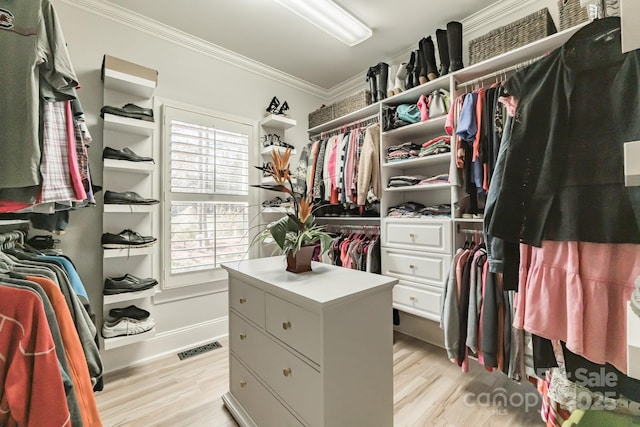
417,210
438,179
404,180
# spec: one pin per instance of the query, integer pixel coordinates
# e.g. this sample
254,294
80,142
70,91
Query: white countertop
325,284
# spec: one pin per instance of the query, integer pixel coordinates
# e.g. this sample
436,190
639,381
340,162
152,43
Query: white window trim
212,276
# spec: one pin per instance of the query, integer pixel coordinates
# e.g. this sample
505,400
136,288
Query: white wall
188,75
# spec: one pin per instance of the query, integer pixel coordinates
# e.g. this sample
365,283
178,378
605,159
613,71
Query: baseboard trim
164,344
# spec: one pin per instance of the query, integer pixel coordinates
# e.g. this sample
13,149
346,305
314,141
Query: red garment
78,368
74,168
31,388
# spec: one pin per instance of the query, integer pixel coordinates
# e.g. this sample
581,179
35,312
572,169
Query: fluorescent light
330,17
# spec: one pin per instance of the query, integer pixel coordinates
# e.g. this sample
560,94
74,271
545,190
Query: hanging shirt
35,52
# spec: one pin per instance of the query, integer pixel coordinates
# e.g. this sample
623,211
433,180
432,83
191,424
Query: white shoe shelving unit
123,85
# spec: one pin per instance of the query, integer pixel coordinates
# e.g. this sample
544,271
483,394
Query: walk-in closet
320,213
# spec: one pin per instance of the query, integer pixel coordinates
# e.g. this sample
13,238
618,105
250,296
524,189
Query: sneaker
126,326
126,239
132,312
635,298
127,283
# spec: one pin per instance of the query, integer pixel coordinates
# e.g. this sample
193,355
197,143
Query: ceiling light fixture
328,16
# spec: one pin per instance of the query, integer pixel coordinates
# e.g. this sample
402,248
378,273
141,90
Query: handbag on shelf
438,103
410,113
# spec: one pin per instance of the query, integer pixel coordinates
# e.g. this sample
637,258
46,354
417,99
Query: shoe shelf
266,152
128,296
127,252
425,187
115,342
128,125
409,96
275,121
108,208
469,220
367,111
420,130
128,83
420,161
275,210
144,168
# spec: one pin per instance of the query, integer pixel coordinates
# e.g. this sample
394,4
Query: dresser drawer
424,268
431,236
424,301
295,326
296,382
262,406
247,342
247,300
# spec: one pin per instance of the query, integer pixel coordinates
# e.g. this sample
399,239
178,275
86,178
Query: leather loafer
127,283
132,312
132,111
127,198
124,154
126,239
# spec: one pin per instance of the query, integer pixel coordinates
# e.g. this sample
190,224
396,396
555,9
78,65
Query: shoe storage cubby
126,83
272,124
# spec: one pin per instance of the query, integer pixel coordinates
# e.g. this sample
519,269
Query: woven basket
571,13
352,103
320,116
533,27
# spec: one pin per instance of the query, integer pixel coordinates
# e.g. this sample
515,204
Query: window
206,193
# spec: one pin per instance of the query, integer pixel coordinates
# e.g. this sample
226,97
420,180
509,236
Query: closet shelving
121,86
367,111
418,251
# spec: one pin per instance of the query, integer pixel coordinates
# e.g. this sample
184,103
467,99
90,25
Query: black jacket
563,172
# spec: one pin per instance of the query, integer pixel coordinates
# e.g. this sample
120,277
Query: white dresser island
310,349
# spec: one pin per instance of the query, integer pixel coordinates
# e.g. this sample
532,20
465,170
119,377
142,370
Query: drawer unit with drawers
301,345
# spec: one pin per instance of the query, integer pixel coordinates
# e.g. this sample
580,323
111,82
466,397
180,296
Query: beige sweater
369,165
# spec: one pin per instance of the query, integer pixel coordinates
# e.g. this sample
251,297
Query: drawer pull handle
243,383
412,298
412,235
243,336
411,266
286,372
286,325
243,300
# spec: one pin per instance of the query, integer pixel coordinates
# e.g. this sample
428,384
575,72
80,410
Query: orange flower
280,162
305,206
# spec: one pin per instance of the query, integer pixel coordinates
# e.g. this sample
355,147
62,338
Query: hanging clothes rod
500,75
7,226
367,121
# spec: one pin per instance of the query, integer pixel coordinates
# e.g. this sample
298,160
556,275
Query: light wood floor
429,390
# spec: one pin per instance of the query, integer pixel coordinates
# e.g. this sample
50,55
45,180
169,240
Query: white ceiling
266,32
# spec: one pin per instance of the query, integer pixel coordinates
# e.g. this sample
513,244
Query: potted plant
296,233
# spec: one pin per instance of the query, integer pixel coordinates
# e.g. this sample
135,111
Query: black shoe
454,41
129,110
124,154
132,312
127,283
443,51
127,198
126,239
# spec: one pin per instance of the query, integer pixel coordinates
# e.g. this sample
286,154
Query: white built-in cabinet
418,251
309,349
119,132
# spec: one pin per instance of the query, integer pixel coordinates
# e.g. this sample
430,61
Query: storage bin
511,36
352,103
320,116
571,13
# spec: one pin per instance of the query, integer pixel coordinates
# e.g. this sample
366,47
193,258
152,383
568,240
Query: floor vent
199,350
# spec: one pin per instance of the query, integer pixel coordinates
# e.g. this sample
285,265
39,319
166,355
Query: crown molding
162,31
495,12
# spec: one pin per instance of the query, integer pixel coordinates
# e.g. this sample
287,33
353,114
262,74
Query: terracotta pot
301,261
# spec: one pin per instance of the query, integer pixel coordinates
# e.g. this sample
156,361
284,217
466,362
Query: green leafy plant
297,229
